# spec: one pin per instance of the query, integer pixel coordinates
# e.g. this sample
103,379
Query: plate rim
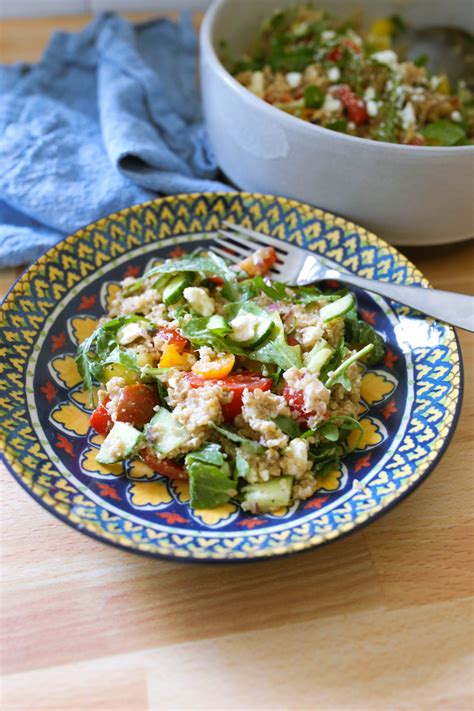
291,548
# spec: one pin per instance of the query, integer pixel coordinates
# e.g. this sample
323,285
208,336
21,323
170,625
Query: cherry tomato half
235,384
171,335
165,467
100,419
136,404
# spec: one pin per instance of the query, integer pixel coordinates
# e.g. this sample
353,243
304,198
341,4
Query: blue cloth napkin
108,118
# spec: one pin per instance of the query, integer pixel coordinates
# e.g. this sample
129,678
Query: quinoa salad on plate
329,72
218,375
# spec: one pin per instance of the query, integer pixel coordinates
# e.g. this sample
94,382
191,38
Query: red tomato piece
259,262
351,45
235,384
416,141
100,419
292,341
136,404
353,104
217,280
334,55
171,335
165,467
295,400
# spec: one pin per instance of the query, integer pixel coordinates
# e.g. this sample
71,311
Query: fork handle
455,309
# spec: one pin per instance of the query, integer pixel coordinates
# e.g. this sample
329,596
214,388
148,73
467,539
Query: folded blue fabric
108,118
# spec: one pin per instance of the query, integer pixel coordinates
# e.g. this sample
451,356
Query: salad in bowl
216,374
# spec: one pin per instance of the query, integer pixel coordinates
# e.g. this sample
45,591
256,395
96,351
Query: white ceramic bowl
409,195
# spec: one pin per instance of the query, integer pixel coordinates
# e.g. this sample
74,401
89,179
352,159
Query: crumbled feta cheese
294,79
351,125
259,409
334,74
244,327
372,108
435,81
387,57
369,93
327,35
199,300
332,105
408,116
130,332
456,116
389,85
257,84
295,458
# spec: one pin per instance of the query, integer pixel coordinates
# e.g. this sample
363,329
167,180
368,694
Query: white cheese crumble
372,108
435,82
199,300
294,79
327,35
456,116
130,332
334,74
408,116
387,57
331,105
244,327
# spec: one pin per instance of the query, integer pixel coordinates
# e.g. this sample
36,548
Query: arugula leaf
288,425
276,290
126,358
360,333
247,444
210,484
330,431
334,362
443,133
276,350
339,376
197,332
327,455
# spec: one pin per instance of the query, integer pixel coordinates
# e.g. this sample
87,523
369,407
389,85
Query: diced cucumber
218,324
175,287
117,370
337,308
318,356
121,442
165,433
269,495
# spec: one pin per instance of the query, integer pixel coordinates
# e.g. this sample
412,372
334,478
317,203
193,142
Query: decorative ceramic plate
410,402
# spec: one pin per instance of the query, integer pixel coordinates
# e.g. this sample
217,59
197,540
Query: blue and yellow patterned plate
410,402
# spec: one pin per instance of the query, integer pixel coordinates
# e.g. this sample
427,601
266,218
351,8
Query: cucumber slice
269,495
218,324
318,356
165,433
338,308
121,442
175,287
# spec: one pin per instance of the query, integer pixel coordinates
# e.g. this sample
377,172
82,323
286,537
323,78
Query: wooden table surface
380,620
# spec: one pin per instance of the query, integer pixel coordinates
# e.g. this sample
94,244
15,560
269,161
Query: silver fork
297,267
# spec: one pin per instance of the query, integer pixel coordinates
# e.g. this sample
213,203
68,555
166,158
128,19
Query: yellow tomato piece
218,368
444,86
172,358
382,27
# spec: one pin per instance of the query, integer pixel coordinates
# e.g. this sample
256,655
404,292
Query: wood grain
380,620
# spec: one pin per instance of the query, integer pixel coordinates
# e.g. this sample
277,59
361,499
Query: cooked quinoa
329,72
216,374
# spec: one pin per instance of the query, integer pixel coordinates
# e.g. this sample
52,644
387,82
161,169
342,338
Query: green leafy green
313,97
340,376
359,333
277,350
339,125
196,330
326,455
210,483
443,133
249,445
288,425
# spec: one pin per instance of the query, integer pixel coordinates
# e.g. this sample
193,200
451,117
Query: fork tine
242,246
257,236
223,253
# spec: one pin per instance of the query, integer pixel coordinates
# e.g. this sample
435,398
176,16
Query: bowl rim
208,50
